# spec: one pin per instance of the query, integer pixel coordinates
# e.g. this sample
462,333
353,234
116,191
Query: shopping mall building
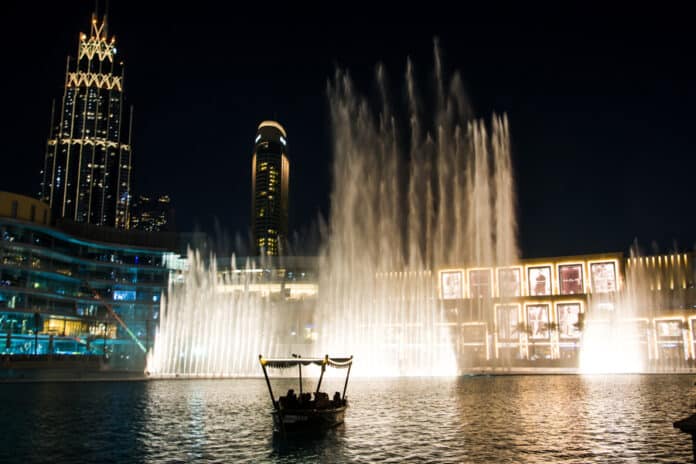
69,289
538,312
543,310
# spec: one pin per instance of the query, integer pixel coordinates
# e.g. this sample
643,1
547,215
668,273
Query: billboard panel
570,279
540,280
451,285
480,283
568,314
510,282
507,319
538,320
669,329
124,295
603,277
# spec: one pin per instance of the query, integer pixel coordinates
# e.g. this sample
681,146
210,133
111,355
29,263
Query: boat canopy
285,363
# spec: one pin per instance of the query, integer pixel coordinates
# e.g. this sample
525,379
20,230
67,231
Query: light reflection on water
532,419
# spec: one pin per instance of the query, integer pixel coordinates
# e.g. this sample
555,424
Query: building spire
99,26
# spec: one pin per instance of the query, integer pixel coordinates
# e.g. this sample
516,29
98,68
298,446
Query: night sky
601,110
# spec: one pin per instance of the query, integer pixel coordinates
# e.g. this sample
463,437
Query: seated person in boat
321,400
289,401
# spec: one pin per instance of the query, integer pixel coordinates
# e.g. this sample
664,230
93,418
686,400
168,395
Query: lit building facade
63,293
87,167
536,313
270,181
152,213
542,310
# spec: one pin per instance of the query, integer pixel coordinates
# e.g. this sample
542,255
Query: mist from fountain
620,335
211,325
402,210
612,336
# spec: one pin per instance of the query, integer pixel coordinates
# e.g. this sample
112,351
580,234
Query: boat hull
297,420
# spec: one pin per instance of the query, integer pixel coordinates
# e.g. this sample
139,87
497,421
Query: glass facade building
61,294
270,178
87,166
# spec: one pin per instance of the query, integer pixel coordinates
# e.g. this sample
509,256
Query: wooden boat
298,413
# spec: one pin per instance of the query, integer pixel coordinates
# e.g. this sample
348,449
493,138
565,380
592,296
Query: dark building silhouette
270,179
87,166
152,214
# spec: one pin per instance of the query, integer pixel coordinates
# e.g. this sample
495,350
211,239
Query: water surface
560,419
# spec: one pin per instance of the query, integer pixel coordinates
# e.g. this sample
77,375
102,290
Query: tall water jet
612,333
641,327
400,211
212,325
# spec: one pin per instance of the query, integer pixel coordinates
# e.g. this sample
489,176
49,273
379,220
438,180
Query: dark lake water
555,419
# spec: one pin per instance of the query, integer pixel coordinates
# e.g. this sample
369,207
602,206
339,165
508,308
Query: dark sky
600,105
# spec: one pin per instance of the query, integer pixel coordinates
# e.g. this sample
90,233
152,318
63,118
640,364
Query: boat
302,413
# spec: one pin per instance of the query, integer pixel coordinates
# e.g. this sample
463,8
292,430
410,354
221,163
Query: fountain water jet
211,325
398,214
400,211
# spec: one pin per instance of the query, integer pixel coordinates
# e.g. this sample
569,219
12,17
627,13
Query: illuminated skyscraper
270,179
87,168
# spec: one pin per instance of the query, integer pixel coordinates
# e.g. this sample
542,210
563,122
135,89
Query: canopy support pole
345,386
321,376
299,367
268,383
276,405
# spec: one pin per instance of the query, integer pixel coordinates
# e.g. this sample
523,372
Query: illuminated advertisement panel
540,280
603,277
124,295
668,329
508,319
509,282
568,314
451,285
570,279
538,320
480,283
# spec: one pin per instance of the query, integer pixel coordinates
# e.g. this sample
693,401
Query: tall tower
87,168
270,181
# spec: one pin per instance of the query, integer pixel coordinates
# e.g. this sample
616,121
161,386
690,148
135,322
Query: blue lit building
75,289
